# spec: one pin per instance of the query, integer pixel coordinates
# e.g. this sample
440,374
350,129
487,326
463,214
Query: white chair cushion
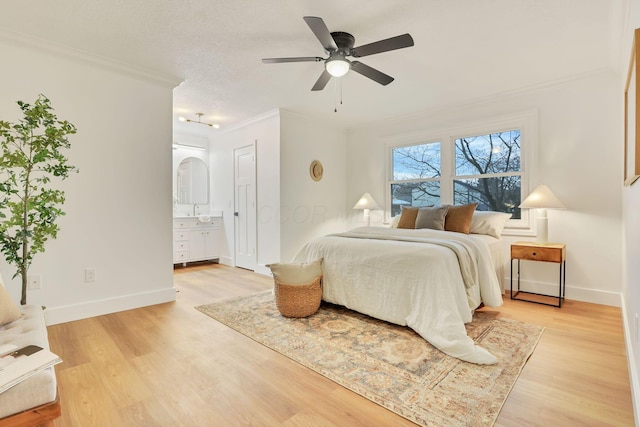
41,387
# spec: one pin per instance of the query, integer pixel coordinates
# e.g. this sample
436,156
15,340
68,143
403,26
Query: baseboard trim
263,269
633,371
260,268
226,260
594,296
69,313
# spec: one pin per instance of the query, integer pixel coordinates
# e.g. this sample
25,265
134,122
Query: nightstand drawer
551,253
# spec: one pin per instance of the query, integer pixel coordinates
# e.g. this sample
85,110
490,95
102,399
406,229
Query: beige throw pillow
408,218
8,309
297,274
458,218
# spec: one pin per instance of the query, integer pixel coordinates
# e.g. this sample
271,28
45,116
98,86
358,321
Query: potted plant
31,162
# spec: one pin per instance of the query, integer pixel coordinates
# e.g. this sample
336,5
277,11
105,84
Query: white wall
119,206
309,208
264,133
578,156
631,230
291,208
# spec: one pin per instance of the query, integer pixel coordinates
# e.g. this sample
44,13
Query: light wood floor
170,365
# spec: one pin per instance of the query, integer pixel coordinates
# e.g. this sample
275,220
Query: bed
430,280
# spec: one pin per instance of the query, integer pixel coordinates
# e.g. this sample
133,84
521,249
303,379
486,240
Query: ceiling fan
339,45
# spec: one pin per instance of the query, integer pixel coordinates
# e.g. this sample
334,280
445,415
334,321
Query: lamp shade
366,202
541,198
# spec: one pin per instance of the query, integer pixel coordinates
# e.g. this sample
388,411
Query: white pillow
297,274
8,309
489,223
395,220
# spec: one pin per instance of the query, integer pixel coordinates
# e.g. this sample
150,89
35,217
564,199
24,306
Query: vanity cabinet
195,240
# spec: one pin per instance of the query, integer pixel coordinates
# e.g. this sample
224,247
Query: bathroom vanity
196,238
197,231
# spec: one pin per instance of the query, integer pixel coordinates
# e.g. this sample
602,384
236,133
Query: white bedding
413,281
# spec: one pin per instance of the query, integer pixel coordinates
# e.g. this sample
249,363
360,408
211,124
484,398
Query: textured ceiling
464,49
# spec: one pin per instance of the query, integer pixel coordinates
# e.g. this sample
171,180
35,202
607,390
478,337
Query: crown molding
60,50
483,100
266,115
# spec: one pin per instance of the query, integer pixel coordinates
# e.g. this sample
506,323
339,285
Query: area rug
389,364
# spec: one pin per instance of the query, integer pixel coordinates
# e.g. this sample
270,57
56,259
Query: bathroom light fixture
184,119
367,203
542,199
177,145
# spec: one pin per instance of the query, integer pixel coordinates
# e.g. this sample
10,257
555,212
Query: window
488,172
416,174
484,168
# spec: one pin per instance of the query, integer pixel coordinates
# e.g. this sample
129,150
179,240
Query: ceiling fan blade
298,59
322,81
385,45
372,73
321,31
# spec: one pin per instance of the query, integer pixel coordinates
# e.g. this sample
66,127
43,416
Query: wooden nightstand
531,251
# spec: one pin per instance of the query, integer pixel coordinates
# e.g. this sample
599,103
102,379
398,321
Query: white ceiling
464,49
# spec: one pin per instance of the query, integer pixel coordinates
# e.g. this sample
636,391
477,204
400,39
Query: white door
245,206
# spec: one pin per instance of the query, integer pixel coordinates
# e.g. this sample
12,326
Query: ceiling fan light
337,67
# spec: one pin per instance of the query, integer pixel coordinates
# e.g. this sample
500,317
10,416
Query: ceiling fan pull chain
337,91
335,95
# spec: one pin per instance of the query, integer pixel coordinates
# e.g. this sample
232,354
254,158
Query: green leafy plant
30,160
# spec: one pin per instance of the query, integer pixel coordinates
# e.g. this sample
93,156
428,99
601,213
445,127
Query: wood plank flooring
170,365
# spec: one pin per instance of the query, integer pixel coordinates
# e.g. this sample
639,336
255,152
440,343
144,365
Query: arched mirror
193,181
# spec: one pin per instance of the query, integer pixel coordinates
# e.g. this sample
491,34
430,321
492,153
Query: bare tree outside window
416,176
488,172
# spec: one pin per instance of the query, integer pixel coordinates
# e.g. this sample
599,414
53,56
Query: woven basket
298,300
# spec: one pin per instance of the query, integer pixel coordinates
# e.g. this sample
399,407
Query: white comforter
419,278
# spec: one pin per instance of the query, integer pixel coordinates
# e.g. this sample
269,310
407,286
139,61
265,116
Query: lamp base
542,227
367,217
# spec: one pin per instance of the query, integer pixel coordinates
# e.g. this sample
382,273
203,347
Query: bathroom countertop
214,214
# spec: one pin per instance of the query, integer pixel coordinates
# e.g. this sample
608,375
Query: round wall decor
316,170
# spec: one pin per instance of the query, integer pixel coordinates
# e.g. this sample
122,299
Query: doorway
245,206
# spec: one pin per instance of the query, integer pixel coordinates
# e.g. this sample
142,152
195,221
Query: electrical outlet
34,281
89,275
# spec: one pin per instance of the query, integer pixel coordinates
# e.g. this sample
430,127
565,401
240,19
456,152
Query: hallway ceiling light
184,119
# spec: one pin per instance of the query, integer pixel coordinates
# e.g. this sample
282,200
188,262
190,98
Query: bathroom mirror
193,181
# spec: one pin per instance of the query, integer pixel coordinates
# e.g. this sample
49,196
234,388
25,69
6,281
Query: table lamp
542,199
367,203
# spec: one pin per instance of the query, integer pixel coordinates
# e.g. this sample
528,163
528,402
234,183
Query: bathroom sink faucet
195,205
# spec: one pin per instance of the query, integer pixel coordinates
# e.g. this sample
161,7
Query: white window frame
391,181
526,122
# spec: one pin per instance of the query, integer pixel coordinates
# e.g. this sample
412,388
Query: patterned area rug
388,364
